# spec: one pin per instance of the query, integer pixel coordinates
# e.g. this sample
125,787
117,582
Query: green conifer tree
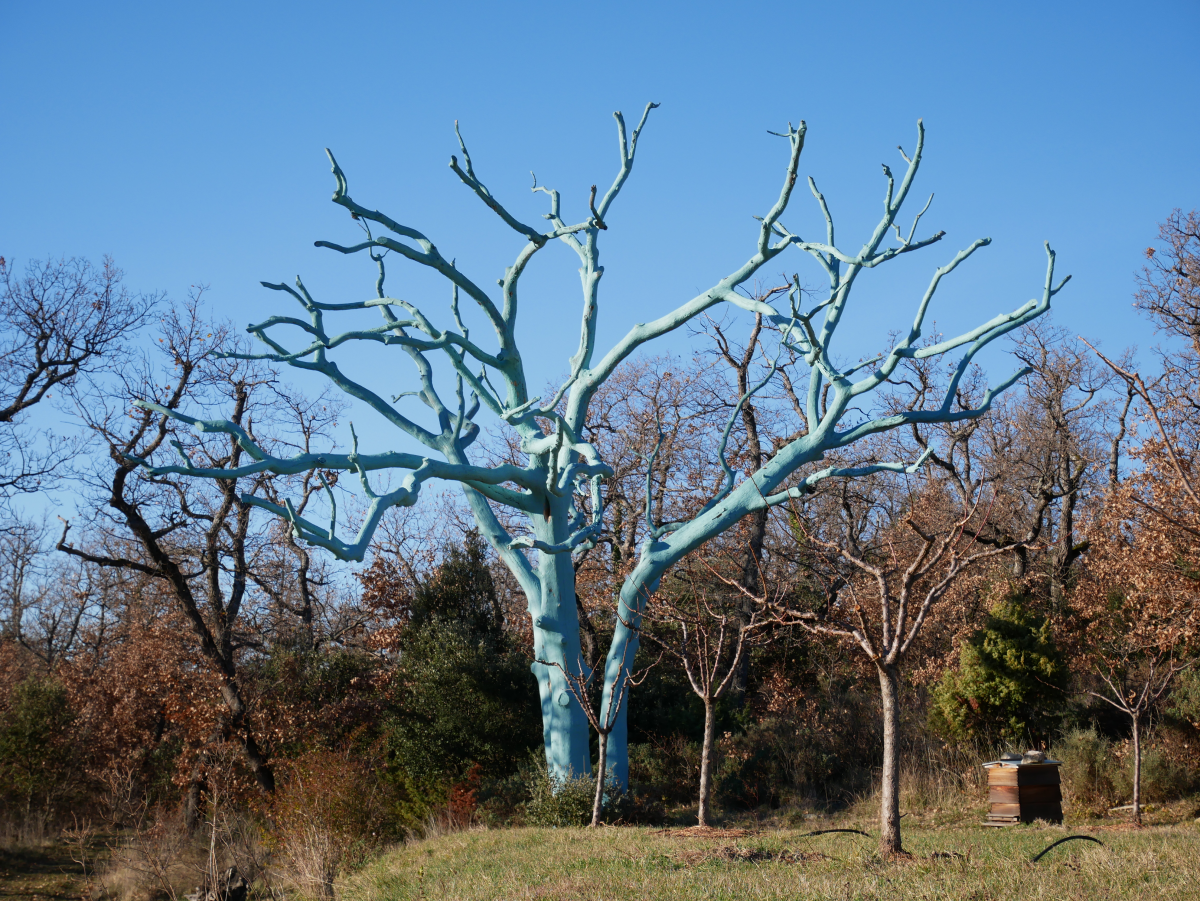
1010,684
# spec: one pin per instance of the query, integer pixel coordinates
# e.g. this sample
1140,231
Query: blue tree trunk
555,618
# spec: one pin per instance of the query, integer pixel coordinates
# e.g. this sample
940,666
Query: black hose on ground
827,831
1087,838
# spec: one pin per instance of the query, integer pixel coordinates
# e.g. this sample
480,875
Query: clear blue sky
186,140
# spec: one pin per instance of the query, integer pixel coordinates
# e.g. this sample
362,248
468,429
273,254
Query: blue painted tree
557,489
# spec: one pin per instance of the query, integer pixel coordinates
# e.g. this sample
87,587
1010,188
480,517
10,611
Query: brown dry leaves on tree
1143,582
1140,597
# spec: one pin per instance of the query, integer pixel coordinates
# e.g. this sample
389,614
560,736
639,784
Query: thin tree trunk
264,773
195,795
601,772
1137,770
587,633
1020,562
305,611
889,794
751,582
704,814
758,519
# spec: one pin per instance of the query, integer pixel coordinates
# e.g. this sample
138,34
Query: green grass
953,857
948,862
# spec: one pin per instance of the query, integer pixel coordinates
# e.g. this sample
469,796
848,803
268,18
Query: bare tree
882,555
710,636
1140,598
45,607
285,571
754,455
62,320
1064,433
196,538
1169,295
654,422
1137,670
580,684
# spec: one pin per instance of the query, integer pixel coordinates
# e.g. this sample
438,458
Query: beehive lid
1005,761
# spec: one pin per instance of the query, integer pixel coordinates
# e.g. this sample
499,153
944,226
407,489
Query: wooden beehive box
1020,791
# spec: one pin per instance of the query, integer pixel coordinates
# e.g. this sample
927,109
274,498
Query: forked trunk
601,772
889,794
704,814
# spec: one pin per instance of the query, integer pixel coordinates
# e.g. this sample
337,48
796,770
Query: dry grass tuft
161,860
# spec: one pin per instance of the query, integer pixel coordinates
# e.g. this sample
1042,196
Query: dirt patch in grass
733,854
948,855
705,832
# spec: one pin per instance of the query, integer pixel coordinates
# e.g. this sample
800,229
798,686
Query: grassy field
948,862
953,857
